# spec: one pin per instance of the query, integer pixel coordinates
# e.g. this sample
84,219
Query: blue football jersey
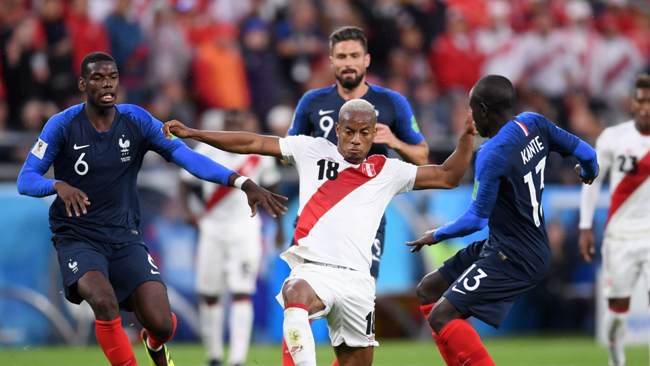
104,165
508,188
318,111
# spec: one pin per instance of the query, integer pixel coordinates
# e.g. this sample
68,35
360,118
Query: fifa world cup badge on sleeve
39,149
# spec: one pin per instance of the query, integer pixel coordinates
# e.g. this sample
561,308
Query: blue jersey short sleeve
406,126
300,125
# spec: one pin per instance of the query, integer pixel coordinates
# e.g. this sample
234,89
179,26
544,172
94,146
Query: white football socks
241,324
211,319
298,336
616,326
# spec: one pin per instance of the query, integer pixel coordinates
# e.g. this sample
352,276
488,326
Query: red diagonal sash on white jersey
333,191
629,184
220,193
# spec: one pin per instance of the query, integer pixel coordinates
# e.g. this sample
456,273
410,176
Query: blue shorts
482,284
125,265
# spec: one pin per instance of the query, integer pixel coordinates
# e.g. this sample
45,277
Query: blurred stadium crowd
574,61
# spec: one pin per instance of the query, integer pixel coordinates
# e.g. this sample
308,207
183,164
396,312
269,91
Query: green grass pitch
529,351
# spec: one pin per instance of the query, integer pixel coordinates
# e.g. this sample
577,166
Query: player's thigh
488,289
310,285
76,258
354,356
621,268
151,305
211,259
352,319
245,253
130,266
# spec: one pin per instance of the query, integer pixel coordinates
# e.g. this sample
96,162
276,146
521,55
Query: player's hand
176,128
470,126
586,244
385,136
584,180
273,203
425,239
75,199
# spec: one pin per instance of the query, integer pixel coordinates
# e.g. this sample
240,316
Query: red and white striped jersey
224,205
341,204
625,154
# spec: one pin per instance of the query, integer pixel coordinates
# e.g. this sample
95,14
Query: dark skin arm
235,142
75,200
449,174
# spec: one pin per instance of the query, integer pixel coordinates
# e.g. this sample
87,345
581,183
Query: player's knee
294,292
428,291
104,306
241,297
210,300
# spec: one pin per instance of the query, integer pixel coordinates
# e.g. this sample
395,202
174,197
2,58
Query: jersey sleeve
46,148
589,193
293,148
406,127
153,134
560,140
300,123
186,176
402,175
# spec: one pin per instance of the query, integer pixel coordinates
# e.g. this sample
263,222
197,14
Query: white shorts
624,262
349,298
228,259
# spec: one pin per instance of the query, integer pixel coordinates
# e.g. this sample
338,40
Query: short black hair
642,81
91,58
349,33
496,91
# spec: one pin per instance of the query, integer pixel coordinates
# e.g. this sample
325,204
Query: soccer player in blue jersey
484,279
97,149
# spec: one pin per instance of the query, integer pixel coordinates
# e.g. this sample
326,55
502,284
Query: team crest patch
368,169
39,149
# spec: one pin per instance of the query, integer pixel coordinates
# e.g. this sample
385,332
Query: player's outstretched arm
207,169
236,142
449,174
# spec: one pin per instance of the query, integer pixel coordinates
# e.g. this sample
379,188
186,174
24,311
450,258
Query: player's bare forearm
235,141
417,154
239,142
449,174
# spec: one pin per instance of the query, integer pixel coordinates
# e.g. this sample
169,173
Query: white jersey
227,206
341,204
625,153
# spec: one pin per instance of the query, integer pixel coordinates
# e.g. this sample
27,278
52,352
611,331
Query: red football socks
155,343
444,351
114,342
286,355
463,344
